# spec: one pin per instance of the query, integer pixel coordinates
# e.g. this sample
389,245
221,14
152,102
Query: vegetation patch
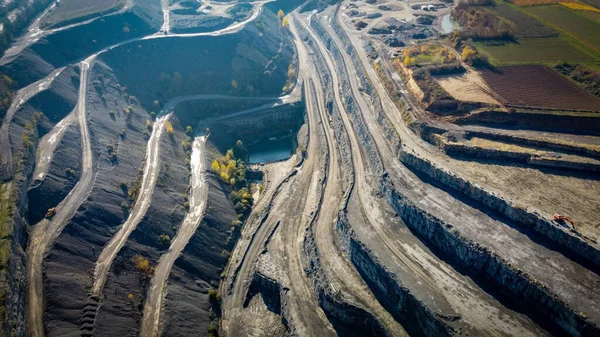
580,7
539,86
523,25
570,23
427,55
231,170
535,50
479,23
534,2
589,79
6,94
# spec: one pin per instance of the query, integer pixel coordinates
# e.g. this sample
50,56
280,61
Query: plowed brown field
539,86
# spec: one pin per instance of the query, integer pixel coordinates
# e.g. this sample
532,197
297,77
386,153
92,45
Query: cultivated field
570,23
539,86
591,15
468,87
70,11
534,2
537,50
525,26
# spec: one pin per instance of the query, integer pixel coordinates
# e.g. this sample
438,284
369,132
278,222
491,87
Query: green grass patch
591,15
524,25
569,23
537,50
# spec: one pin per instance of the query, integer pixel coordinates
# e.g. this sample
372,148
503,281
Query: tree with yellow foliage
280,14
142,265
234,84
169,127
285,23
468,54
215,166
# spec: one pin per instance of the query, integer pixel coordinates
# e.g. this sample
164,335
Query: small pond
267,150
448,24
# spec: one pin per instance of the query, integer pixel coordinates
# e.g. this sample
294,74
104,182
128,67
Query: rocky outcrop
463,150
583,122
530,295
397,299
562,147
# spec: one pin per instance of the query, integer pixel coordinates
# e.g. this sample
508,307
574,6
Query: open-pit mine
278,168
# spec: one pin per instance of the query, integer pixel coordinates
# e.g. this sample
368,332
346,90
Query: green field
525,26
569,23
537,50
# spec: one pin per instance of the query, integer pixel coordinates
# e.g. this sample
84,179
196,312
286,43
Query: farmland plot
537,50
525,26
569,23
539,86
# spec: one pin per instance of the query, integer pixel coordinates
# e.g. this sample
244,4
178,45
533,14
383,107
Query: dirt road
198,197
48,143
151,170
20,97
46,231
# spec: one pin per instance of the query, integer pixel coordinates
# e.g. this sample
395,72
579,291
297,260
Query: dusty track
47,145
20,97
341,274
198,196
45,232
151,170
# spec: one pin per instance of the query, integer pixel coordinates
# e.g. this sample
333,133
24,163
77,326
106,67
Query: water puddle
270,150
448,24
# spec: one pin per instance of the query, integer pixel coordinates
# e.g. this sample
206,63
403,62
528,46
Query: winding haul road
20,97
198,198
151,170
46,231
48,143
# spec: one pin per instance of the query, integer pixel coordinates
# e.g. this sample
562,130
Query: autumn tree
468,54
280,14
285,23
169,127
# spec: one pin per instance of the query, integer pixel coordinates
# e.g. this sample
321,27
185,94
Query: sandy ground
466,87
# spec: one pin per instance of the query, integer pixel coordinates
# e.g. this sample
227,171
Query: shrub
149,125
214,296
142,265
70,173
164,240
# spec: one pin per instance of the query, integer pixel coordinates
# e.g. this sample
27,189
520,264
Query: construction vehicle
560,218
